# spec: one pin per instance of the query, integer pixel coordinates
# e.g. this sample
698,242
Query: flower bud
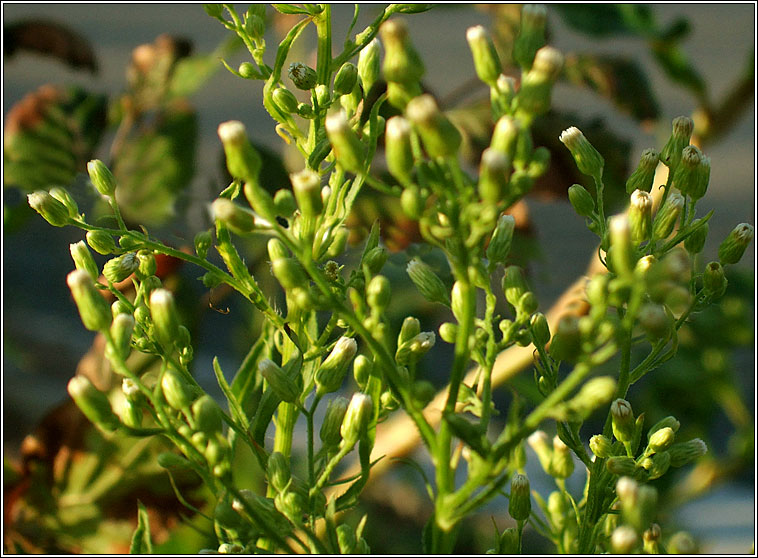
63,196
285,203
621,465
398,148
640,216
369,64
242,160
695,242
682,543
686,452
448,332
119,268
83,259
654,320
147,266
657,464
622,420
596,392
332,371
714,280
177,392
588,159
650,539
362,367
624,540
601,446
514,284
101,177
52,210
520,502
93,308
101,242
493,175
346,540
732,248
285,100
427,282
640,513
306,185
700,179
439,136
508,543
486,61
502,237
540,443
531,35
330,428
643,176
685,177
671,153
165,317
505,135
278,471
402,63
349,151
302,76
378,293
202,243
247,71
667,215
282,385
581,200
207,415
345,80
660,440
621,251
93,403
121,332
669,422
561,464
566,342
539,329
537,84
357,418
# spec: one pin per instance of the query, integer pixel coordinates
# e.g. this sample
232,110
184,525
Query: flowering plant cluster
648,283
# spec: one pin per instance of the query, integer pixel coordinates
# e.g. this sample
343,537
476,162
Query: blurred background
44,339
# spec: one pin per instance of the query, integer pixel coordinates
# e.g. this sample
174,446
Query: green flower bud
398,152
695,242
621,252
660,440
566,342
622,419
306,111
247,71
285,100
169,460
349,151
581,200
540,443
165,317
514,284
685,177
640,216
119,268
448,332
527,304
278,471
493,175
93,308
531,36
539,329
323,96
285,203
596,392
83,259
101,242
427,282
686,452
101,177
561,464
362,367
655,321
378,293
486,61
439,136
588,159
520,501
539,162
357,418
505,135
147,264
667,215
667,422
62,195
52,210
508,543
641,513
121,332
282,385
261,202
346,539
332,371
369,64
732,248
306,185
302,76
207,415
277,250
330,429
177,392
242,160
650,539
93,403
345,80
671,153
714,280
289,273
621,465
682,543
537,84
657,464
202,242
702,176
601,446
624,540
502,237
643,176
402,64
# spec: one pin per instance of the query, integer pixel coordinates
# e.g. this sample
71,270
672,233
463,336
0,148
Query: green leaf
141,543
154,167
191,73
621,81
603,20
234,406
50,135
290,9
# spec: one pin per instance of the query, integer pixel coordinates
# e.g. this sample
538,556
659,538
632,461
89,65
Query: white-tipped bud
588,159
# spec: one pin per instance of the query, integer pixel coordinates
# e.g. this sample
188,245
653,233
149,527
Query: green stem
323,23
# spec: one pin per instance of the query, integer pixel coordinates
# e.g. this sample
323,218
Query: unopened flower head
624,539
93,403
531,36
667,215
402,64
302,76
239,219
369,64
52,210
493,175
643,176
486,61
534,96
242,160
63,196
428,282
93,308
348,149
330,428
733,247
278,380
714,280
357,418
165,316
671,154
622,420
502,238
588,159
83,259
540,443
398,148
440,137
102,178
306,185
686,452
685,178
505,135
332,371
561,462
640,215
520,503
601,446
346,78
